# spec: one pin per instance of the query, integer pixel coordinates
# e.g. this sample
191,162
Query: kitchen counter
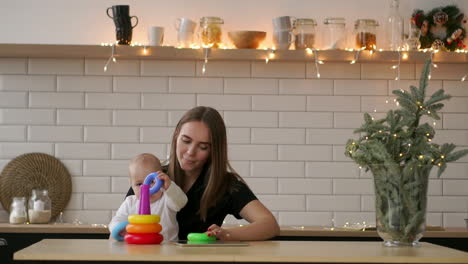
85,250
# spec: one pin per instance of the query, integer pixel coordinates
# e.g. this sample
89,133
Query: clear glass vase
400,201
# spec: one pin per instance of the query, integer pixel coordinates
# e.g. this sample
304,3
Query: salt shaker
39,207
18,213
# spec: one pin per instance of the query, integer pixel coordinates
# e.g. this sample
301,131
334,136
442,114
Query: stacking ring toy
150,238
200,237
153,177
117,229
143,228
143,219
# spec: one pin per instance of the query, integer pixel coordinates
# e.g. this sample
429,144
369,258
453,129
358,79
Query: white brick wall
286,128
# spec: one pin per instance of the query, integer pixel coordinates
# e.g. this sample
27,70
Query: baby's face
137,178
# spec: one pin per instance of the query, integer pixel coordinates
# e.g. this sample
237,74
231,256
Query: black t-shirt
232,203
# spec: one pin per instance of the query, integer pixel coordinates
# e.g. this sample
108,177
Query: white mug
283,39
283,23
156,36
185,24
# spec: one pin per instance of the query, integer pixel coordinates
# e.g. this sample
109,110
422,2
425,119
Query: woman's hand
219,232
165,178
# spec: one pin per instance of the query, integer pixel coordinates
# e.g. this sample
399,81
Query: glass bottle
412,42
39,207
366,34
18,213
394,27
304,31
210,31
334,34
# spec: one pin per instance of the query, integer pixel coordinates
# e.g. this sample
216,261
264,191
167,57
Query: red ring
149,238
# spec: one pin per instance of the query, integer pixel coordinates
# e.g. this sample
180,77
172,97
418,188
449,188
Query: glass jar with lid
18,213
366,34
304,33
39,207
211,31
334,33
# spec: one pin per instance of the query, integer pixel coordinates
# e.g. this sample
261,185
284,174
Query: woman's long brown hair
216,166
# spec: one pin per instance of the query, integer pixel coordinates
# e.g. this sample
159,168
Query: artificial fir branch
400,154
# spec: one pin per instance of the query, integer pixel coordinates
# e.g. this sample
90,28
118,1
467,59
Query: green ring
200,237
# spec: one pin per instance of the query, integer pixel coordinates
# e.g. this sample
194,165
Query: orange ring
143,228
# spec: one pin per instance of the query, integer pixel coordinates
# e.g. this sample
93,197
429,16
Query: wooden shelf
172,53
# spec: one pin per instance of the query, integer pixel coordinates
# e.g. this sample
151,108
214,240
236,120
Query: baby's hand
164,177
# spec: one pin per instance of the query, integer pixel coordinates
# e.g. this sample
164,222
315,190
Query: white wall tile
251,119
238,135
12,133
278,103
87,216
253,152
175,116
435,187
84,84
454,171
13,65
446,204
168,101
335,70
353,186
195,85
82,150
122,67
367,203
332,170
434,219
84,117
333,203
128,151
13,99
241,167
304,186
305,218
76,201
338,153
307,152
305,87
305,119
91,184
456,88
385,71
124,84
455,187
112,101
27,83
56,66
105,167
120,184
360,87
455,121
283,202
454,219
456,105
11,150
139,118
250,86
329,136
433,86
224,69
379,104
156,134
457,137
278,69
278,136
56,100
289,169
75,167
111,134
167,68
444,71
262,185
334,103
55,133
225,102
347,120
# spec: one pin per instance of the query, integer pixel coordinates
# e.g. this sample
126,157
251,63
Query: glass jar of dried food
40,207
366,35
18,213
210,31
334,33
304,32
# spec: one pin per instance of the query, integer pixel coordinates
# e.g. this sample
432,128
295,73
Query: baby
165,203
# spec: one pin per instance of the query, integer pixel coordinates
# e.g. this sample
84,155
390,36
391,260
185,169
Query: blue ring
119,227
153,177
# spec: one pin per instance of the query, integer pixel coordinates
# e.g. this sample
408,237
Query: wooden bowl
245,39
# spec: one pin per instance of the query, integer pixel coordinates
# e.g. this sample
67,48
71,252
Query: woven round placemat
36,171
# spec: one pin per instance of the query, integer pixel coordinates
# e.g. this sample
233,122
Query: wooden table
93,250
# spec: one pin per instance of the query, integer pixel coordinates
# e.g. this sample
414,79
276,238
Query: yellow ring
143,219
143,228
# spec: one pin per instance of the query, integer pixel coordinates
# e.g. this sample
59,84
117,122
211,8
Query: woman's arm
262,225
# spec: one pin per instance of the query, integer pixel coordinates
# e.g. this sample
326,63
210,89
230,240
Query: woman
199,165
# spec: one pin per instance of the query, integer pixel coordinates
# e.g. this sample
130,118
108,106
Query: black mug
123,23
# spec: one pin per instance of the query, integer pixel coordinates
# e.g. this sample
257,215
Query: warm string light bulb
206,54
317,62
270,55
111,58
